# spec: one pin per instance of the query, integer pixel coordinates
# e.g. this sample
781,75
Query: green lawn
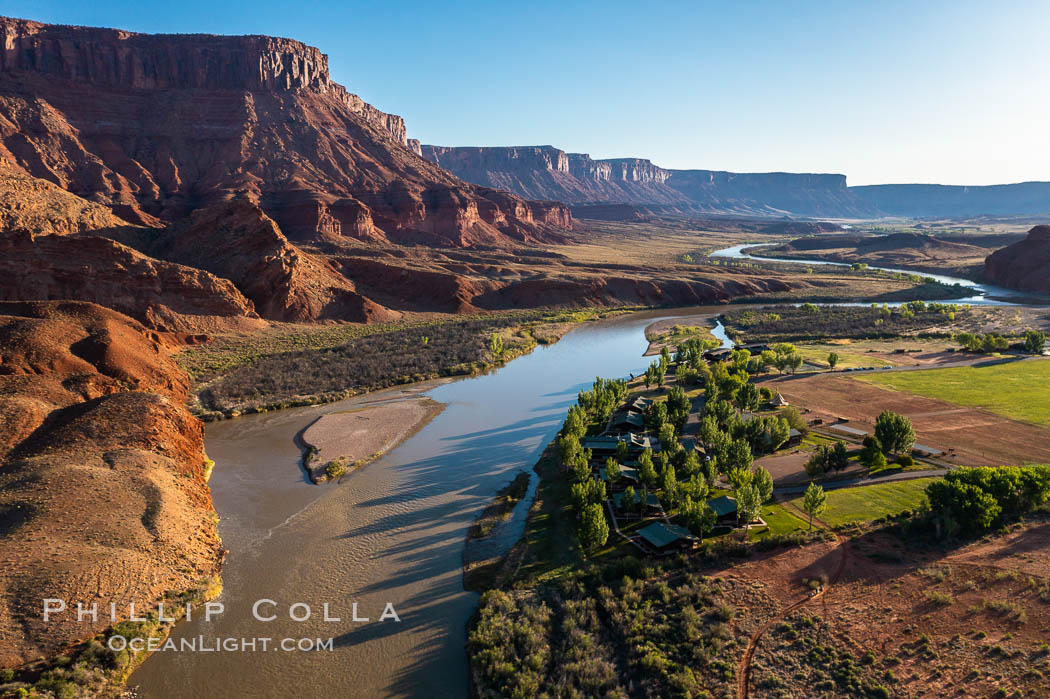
1020,390
778,521
869,502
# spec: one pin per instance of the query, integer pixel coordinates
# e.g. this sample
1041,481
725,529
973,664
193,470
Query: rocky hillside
154,126
575,178
1024,265
102,468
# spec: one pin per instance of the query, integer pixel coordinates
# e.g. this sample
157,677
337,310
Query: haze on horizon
935,92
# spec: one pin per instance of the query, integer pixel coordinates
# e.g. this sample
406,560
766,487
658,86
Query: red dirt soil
102,481
978,437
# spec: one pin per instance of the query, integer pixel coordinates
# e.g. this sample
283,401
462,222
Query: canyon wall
1025,265
155,126
576,178
950,201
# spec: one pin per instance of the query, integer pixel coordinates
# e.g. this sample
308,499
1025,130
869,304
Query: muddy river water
391,532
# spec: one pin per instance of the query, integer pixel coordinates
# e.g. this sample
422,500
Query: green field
869,502
818,355
1020,390
778,521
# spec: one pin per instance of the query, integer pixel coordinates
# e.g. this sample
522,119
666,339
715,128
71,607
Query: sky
935,91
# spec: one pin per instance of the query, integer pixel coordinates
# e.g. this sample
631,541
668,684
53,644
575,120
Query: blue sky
930,91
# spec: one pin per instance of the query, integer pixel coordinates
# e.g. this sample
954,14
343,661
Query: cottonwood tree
748,504
833,360
594,530
894,432
646,471
699,517
1034,341
814,502
747,397
763,481
612,470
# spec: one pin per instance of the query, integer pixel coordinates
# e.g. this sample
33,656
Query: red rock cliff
155,126
1024,265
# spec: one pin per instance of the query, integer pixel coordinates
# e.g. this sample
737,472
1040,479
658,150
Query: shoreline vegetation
337,444
293,365
479,566
91,668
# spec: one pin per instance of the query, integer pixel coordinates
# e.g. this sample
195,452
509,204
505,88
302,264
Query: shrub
335,468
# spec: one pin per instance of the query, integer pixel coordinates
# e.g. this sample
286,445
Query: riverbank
482,561
291,366
339,443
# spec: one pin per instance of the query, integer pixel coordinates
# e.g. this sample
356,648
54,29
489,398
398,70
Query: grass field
1019,390
866,503
778,521
818,355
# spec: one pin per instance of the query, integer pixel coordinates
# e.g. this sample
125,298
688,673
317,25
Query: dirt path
744,667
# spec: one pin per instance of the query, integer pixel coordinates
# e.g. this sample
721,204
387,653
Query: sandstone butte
1025,265
154,126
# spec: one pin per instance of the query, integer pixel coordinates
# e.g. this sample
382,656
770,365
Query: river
984,294
391,532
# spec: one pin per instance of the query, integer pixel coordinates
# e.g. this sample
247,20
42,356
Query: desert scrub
335,468
238,375
92,668
788,323
605,635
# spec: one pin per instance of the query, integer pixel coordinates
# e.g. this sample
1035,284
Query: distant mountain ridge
546,172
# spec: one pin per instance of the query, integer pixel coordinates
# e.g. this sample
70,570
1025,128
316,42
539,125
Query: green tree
699,517
740,456
839,456
691,464
763,482
594,530
668,439
1034,342
670,488
894,432
709,430
819,462
612,470
833,360
747,397
814,502
646,471
748,504
629,499
622,453
496,345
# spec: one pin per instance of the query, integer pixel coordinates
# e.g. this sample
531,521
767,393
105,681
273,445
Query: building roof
630,474
779,400
659,534
794,433
639,404
846,429
722,505
923,449
628,420
650,500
